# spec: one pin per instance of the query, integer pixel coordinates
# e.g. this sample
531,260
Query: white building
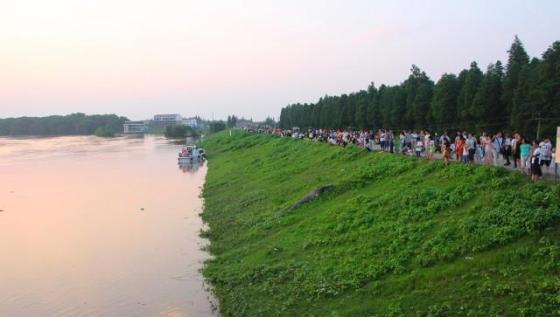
168,117
164,120
191,122
135,127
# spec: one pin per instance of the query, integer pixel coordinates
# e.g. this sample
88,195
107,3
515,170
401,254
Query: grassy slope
398,236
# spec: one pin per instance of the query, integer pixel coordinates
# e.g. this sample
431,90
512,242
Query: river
100,227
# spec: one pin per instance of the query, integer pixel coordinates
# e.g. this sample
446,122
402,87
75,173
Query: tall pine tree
517,60
444,102
469,88
487,106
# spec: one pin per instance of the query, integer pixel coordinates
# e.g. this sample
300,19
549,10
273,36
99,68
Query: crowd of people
528,156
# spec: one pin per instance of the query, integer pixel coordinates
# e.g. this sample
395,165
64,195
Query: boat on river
191,154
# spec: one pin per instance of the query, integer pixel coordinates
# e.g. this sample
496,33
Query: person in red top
446,150
459,147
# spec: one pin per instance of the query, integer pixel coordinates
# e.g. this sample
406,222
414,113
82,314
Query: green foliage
502,98
179,131
73,124
231,121
517,60
104,132
444,102
465,104
486,106
217,126
395,237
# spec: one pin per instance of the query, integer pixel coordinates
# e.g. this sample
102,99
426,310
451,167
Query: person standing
546,154
465,153
488,150
389,139
524,153
498,141
506,149
431,148
536,171
402,140
483,143
515,143
443,138
459,147
426,140
471,142
419,146
458,154
446,150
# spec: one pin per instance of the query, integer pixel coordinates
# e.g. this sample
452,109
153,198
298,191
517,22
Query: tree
179,131
517,59
465,106
548,101
72,124
104,132
473,100
487,104
217,126
421,104
231,121
444,101
373,115
270,122
524,110
361,113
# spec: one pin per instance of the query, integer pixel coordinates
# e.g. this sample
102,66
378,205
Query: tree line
179,131
519,96
72,124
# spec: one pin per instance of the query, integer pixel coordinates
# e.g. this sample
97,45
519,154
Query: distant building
164,120
245,124
192,122
135,127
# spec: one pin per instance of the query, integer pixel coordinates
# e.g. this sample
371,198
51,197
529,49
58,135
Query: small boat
190,154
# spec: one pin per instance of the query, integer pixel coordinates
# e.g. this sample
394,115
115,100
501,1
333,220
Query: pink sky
137,58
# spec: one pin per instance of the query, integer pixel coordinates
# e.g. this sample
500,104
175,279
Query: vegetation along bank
376,235
73,124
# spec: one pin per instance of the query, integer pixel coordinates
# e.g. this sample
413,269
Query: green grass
396,237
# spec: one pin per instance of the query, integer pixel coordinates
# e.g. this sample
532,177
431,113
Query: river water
99,227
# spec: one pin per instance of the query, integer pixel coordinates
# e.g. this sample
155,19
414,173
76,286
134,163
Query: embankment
393,236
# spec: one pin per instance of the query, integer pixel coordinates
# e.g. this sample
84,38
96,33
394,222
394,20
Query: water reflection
191,167
99,227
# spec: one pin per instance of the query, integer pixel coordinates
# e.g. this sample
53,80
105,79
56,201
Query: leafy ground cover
396,236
